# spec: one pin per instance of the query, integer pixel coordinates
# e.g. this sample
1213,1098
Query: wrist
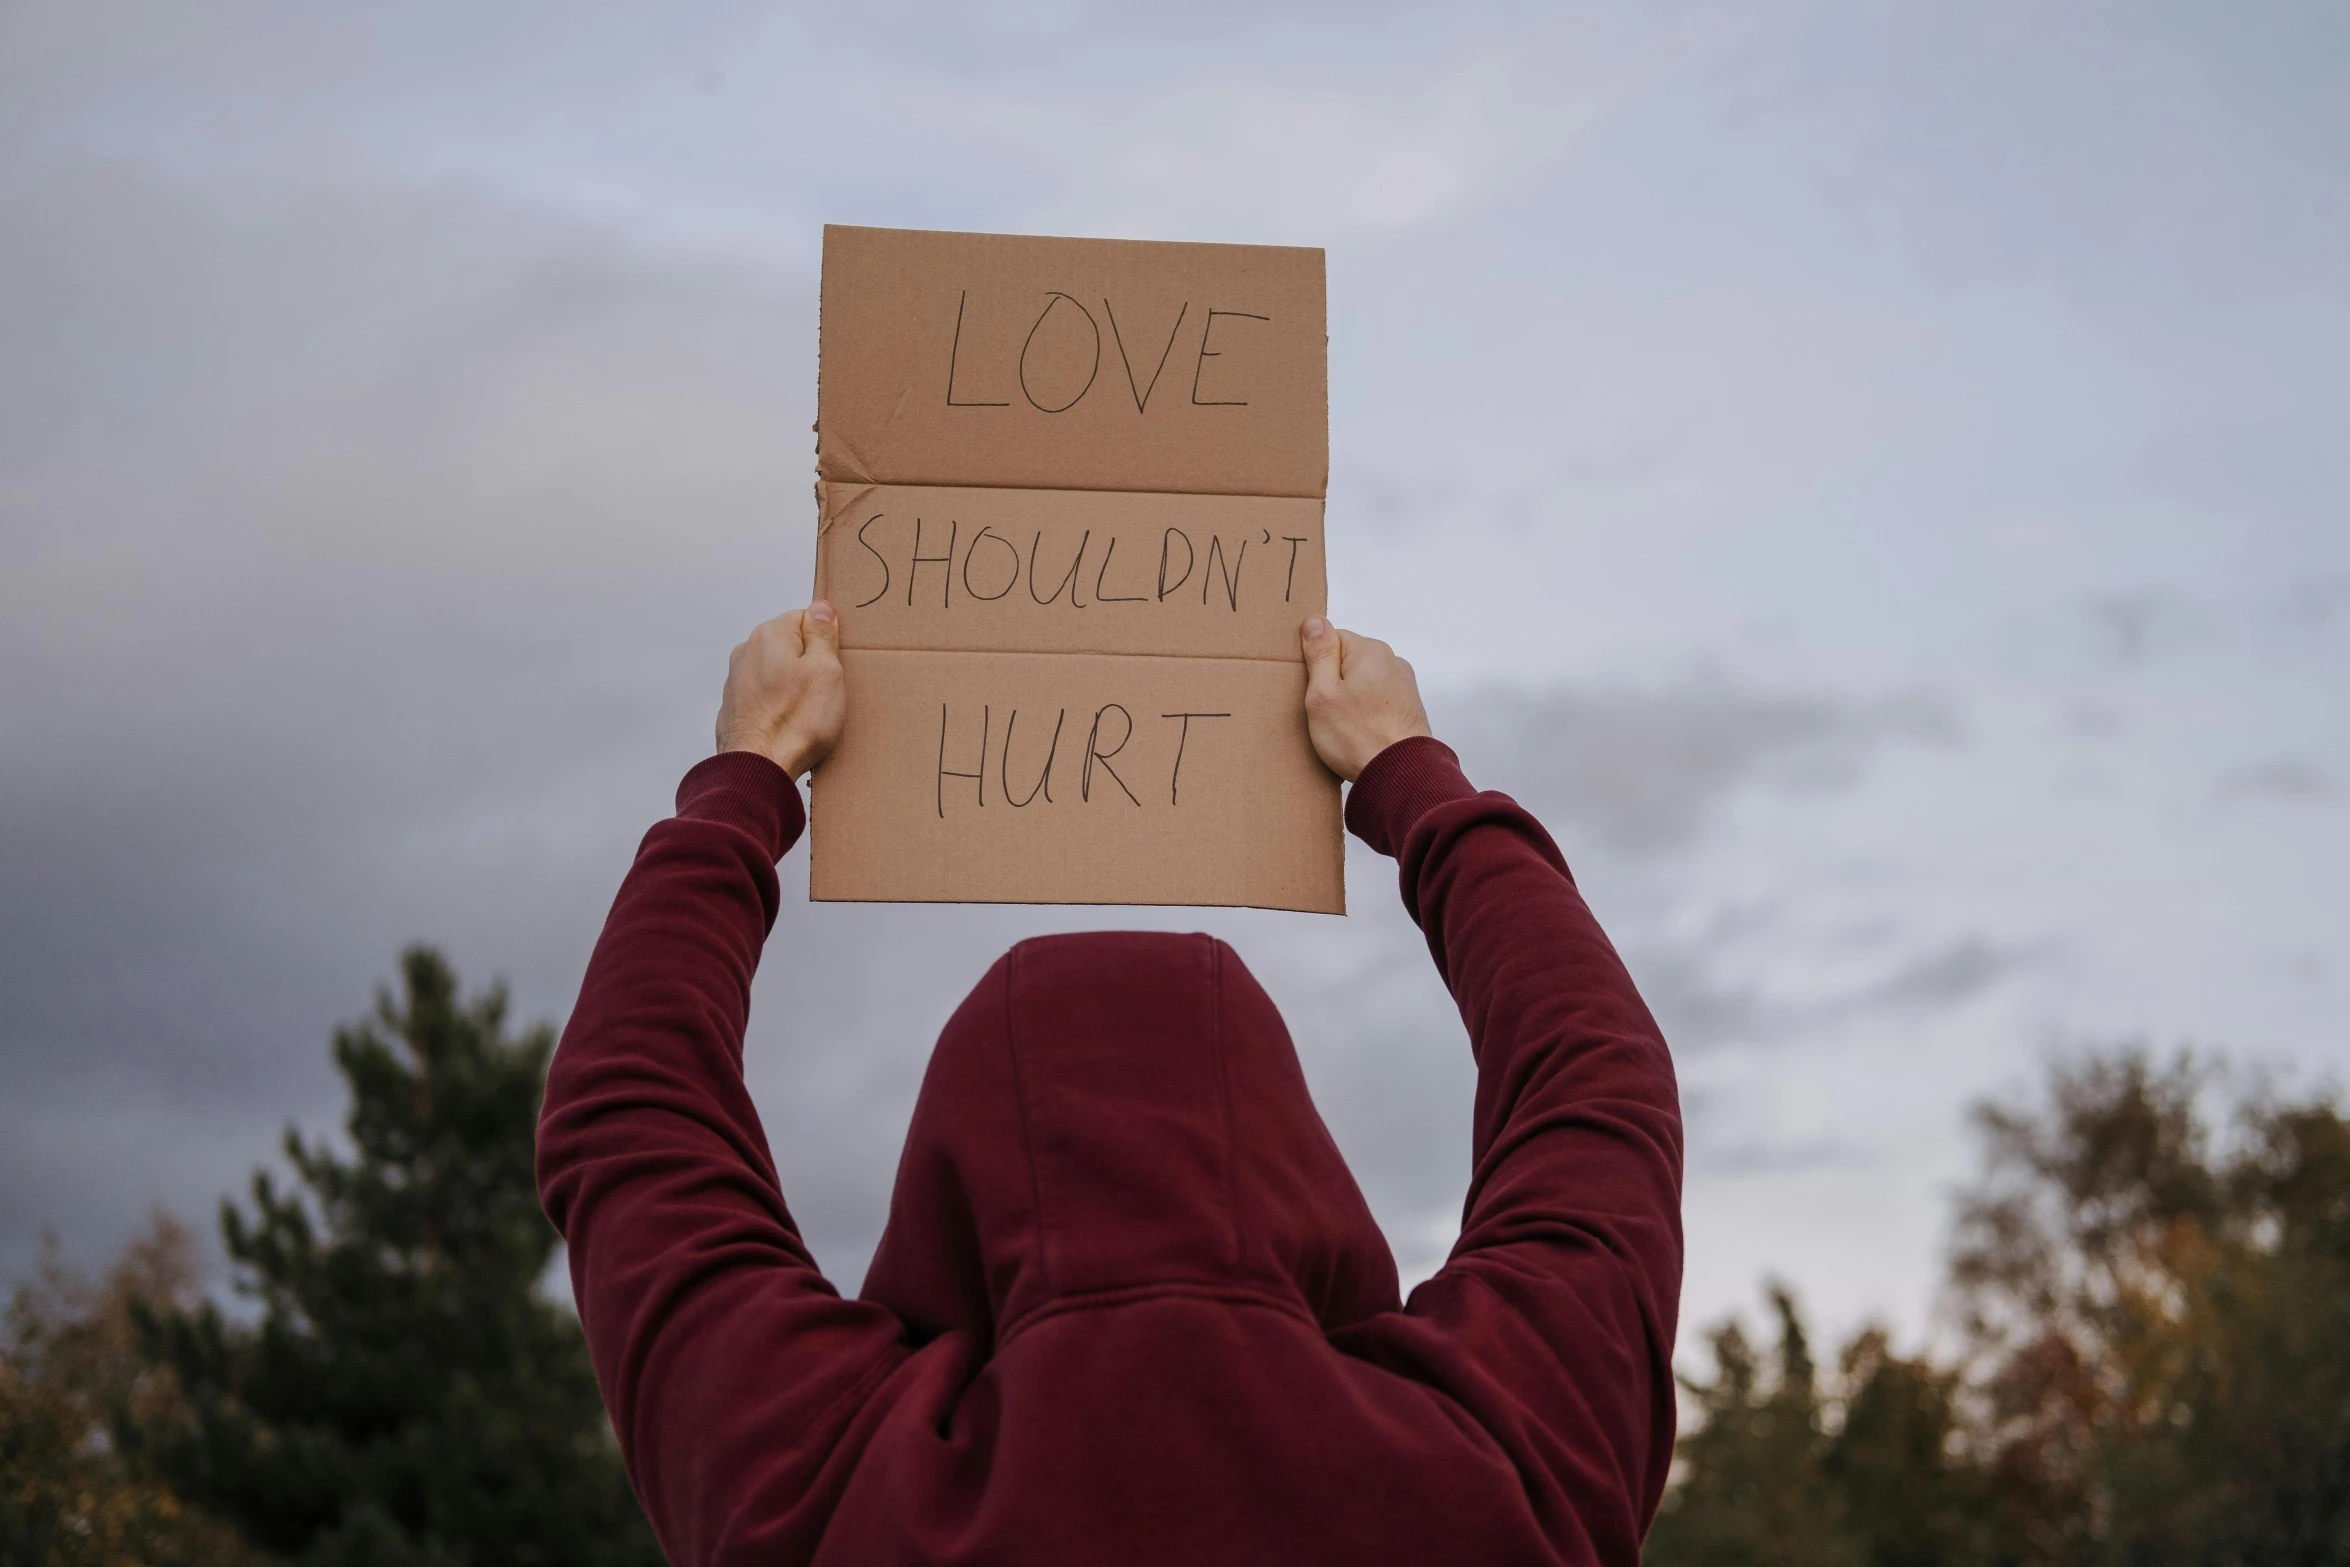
1383,743
1401,784
797,754
747,790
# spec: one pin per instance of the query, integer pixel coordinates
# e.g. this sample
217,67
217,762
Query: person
1129,1306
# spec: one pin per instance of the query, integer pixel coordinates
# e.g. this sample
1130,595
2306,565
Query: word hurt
1107,736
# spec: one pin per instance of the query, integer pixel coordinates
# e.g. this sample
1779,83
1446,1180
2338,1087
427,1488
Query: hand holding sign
785,697
1360,697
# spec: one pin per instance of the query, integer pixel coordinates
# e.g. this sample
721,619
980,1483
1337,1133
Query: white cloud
1309,166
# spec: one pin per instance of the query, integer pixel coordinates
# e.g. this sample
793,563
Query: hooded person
1129,1306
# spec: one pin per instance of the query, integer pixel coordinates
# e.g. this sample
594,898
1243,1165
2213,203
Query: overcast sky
1872,477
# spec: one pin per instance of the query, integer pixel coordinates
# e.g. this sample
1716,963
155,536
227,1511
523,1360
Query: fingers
795,633
1320,640
785,695
820,628
1334,654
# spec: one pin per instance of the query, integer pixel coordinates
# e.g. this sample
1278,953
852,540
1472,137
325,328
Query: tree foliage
2153,1305
70,1370
404,1394
1864,1467
2161,1308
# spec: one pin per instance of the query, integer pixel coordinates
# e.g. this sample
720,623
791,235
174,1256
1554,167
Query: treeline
2151,1308
400,1391
2149,1298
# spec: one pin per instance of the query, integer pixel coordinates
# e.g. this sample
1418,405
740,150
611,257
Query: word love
988,565
1095,768
1060,358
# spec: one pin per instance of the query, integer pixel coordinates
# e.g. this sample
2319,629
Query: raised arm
1552,1323
730,1367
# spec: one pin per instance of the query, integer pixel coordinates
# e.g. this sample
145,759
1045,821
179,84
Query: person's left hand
1360,698
785,696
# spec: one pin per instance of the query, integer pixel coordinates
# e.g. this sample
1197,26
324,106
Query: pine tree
1754,1489
407,1395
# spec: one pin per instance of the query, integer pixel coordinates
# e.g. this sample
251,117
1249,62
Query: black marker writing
947,581
972,554
955,349
1069,582
1094,753
1175,776
1142,395
1206,353
1044,777
1166,543
1293,542
1094,325
1216,564
1099,597
945,772
877,555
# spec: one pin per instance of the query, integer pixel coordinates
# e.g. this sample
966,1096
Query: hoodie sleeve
733,1372
1552,1323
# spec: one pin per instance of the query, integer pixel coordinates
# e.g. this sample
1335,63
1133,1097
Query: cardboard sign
1070,498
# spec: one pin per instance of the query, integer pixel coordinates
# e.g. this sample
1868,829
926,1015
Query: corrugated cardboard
1072,364
1071,514
1058,778
1070,571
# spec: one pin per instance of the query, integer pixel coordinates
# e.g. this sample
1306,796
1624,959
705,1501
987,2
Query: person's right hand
1360,698
785,696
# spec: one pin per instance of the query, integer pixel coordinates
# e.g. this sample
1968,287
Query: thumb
820,627
1320,640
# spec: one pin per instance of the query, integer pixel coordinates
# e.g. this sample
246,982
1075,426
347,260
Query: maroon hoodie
1130,1307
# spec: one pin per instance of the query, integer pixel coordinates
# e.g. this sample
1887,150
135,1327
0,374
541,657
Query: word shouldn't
1095,768
991,565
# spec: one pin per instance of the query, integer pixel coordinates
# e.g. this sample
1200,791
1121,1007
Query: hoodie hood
1120,1112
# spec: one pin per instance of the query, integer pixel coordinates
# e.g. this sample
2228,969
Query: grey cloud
407,615
427,573
1724,1139
1695,1004
1640,767
371,540
2314,602
367,562
1943,977
1702,1010
2137,626
2095,720
2294,778
1391,505
1775,1158
1698,989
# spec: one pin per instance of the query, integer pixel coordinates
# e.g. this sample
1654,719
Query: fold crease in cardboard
1070,497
